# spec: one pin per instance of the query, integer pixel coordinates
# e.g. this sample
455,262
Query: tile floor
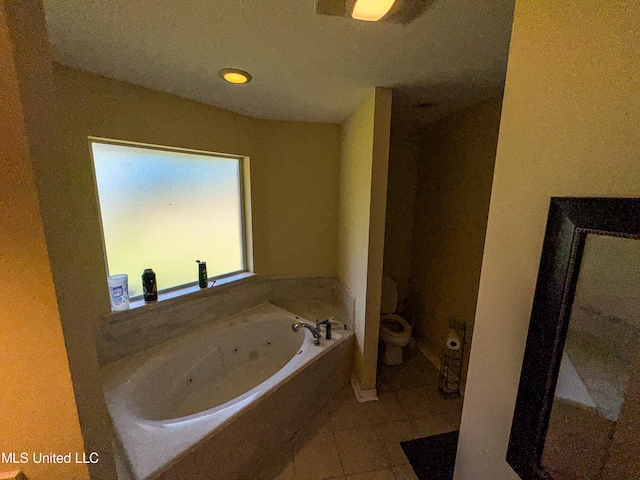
361,441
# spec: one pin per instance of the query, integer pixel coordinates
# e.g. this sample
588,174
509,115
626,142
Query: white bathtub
211,404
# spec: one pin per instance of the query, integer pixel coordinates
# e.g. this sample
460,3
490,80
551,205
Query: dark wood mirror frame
569,222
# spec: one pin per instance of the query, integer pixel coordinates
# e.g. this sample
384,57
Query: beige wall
295,168
610,278
36,400
622,459
294,178
294,165
569,127
363,189
450,218
401,195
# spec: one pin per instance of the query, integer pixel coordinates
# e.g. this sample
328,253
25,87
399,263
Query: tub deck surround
121,334
214,403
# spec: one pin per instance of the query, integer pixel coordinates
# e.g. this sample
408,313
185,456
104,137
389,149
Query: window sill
177,296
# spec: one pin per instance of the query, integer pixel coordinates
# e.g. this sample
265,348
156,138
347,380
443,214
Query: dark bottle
202,274
149,286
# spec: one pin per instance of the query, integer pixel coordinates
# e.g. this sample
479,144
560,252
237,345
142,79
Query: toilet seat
390,334
395,331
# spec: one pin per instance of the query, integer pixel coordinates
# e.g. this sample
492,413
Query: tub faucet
315,331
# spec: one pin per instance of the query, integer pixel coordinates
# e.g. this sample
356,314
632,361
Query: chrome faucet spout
314,331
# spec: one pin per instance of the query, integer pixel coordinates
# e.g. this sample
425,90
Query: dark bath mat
432,458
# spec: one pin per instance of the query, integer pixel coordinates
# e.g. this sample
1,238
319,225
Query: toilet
395,332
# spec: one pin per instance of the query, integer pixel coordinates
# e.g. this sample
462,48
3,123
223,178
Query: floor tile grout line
384,450
405,412
339,457
394,392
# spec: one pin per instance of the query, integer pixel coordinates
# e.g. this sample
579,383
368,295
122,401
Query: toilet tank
389,297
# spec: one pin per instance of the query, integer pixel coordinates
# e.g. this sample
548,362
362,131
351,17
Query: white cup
119,292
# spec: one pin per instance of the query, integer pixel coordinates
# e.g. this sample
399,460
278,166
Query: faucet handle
327,325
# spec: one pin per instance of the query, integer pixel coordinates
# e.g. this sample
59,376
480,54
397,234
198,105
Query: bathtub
216,403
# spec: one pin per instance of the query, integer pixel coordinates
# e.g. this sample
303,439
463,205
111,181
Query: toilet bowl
395,331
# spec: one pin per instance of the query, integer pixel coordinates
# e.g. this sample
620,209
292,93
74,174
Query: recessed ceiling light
371,10
235,75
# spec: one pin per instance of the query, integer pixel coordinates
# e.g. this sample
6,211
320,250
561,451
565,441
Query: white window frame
245,212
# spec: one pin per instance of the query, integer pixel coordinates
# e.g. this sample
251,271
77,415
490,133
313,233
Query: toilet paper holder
451,361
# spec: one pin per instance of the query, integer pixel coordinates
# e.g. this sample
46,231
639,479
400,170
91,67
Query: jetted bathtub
216,403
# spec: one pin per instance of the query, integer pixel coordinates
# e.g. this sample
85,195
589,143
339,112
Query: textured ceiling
305,67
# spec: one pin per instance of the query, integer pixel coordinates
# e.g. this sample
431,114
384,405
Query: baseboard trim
363,395
434,359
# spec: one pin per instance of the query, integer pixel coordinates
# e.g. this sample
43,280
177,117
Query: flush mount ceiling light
235,75
371,10
391,11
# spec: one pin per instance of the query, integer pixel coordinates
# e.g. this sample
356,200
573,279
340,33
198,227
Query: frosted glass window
165,209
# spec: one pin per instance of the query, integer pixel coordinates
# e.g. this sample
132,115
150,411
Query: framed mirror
577,413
